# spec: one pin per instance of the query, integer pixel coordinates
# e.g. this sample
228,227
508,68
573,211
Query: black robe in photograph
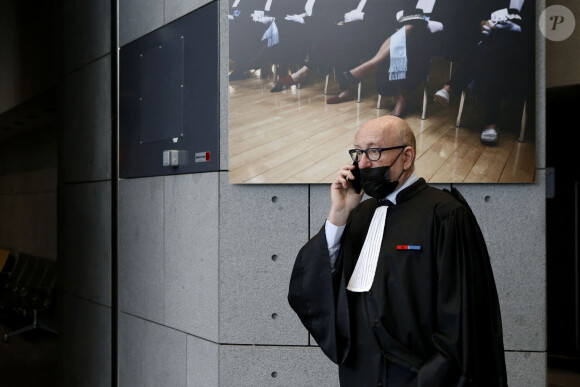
501,63
433,311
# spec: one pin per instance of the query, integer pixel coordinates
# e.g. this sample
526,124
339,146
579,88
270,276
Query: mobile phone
356,182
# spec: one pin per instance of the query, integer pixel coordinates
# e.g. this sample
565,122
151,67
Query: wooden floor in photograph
295,137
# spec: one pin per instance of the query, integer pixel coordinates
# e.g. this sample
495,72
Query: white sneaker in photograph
489,136
442,98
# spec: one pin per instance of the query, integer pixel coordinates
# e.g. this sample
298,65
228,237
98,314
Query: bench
27,283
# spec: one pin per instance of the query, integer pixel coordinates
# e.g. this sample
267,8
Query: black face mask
376,182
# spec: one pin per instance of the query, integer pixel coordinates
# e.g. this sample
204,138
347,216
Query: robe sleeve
469,337
319,298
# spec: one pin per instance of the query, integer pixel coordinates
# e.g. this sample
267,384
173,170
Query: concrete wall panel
138,18
512,219
86,32
29,181
85,241
251,366
174,9
202,362
28,163
141,248
28,223
261,230
150,355
319,206
84,338
526,368
29,51
191,253
85,148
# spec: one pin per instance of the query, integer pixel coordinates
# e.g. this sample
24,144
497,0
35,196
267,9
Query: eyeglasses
373,154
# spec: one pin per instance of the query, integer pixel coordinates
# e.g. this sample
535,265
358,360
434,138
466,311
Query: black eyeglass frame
355,154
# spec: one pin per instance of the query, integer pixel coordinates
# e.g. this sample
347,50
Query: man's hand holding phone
345,194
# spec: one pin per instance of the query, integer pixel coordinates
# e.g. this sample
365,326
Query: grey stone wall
29,41
28,173
84,195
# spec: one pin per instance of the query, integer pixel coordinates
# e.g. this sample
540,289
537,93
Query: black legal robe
433,311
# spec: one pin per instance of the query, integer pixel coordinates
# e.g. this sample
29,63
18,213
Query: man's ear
409,157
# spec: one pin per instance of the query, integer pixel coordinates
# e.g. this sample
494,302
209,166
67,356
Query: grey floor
562,378
31,359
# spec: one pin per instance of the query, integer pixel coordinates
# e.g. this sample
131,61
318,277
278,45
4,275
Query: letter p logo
557,23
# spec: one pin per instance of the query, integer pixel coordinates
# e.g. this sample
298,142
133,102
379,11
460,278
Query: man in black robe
416,307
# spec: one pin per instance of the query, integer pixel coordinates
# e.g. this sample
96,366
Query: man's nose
364,162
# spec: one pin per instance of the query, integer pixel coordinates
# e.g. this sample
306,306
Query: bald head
392,130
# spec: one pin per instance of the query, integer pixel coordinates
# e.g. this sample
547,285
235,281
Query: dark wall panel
169,98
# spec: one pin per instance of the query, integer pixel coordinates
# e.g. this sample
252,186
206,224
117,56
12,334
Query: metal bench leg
22,330
35,325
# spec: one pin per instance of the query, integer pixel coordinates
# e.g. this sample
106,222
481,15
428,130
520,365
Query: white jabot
516,4
309,6
425,5
362,278
364,272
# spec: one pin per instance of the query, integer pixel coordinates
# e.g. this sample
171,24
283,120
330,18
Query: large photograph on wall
304,75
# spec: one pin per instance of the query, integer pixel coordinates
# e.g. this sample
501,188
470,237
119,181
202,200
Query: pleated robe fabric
433,312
